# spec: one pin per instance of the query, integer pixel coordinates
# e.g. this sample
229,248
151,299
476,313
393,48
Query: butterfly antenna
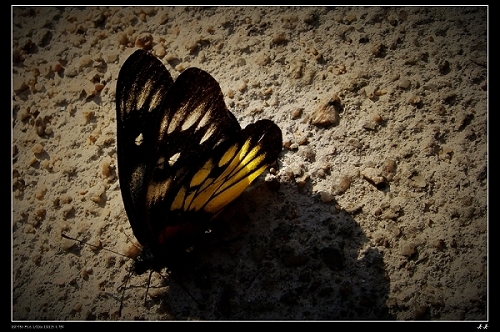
92,245
147,288
131,241
124,286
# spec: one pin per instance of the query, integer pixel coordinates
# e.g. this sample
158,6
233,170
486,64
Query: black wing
196,159
143,83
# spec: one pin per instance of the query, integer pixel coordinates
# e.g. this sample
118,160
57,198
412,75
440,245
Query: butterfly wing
195,159
195,123
143,83
203,159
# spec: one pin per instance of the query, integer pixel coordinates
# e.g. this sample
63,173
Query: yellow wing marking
215,193
226,196
202,174
179,199
228,155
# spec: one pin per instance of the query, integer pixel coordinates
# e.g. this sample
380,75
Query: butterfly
182,155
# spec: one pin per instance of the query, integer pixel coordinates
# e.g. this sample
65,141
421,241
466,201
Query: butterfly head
173,259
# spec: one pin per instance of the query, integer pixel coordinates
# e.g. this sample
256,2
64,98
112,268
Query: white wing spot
139,139
204,120
163,127
191,119
207,135
172,160
143,95
175,121
155,100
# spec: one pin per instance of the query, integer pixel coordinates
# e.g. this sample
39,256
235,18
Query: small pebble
67,244
378,49
110,56
327,113
348,19
131,250
144,41
242,86
307,153
279,38
341,184
370,92
85,61
415,101
159,51
297,69
404,83
39,216
262,59
338,69
86,271
296,113
32,161
40,126
326,196
439,109
444,67
377,118
106,167
372,175
407,249
37,148
388,169
439,244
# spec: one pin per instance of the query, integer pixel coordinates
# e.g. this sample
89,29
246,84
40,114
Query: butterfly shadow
280,255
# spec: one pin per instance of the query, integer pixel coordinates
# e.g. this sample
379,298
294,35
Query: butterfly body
182,155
